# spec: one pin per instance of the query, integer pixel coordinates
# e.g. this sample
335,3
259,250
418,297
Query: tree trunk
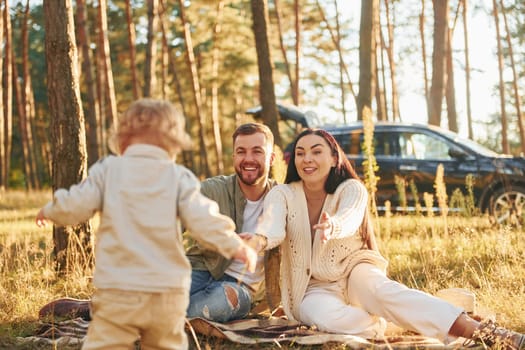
132,49
197,98
293,81
296,92
101,92
164,62
151,50
504,125
381,103
424,56
187,155
438,60
341,61
515,76
215,89
340,52
29,101
22,127
67,119
107,72
264,60
3,174
367,55
8,92
451,91
269,115
467,70
392,64
91,106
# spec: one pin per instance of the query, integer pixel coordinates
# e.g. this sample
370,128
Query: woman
332,276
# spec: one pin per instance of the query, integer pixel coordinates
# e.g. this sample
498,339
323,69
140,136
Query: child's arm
247,255
201,217
41,220
76,205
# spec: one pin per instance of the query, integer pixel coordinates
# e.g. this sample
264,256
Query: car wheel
507,205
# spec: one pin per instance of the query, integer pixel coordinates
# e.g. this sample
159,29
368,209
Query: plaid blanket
248,331
275,330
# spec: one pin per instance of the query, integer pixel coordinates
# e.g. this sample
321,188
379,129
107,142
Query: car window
350,143
407,145
423,146
385,143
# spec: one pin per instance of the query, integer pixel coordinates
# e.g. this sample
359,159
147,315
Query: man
221,289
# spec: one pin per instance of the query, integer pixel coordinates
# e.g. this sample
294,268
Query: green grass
469,253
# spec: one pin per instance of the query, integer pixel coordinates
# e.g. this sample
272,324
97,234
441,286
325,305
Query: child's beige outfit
142,275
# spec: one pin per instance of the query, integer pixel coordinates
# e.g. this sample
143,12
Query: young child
142,276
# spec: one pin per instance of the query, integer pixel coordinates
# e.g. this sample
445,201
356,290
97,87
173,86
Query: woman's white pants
371,298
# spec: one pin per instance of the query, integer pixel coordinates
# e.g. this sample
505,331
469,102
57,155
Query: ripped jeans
220,300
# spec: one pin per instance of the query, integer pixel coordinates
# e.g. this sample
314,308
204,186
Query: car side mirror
457,153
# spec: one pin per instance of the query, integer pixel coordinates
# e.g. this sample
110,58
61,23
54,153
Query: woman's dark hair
342,171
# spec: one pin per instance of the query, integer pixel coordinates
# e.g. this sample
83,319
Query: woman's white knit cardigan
285,221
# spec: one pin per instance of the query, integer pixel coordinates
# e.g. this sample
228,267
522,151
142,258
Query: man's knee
232,296
223,304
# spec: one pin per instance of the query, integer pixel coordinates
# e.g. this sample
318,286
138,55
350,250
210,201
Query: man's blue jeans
220,300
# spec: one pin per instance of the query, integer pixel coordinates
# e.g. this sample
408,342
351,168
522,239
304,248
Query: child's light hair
151,121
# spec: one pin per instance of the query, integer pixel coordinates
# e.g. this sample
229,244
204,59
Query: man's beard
249,180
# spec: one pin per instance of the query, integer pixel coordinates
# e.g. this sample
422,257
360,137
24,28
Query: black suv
413,152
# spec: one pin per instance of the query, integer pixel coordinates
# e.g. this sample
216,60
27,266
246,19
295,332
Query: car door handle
408,167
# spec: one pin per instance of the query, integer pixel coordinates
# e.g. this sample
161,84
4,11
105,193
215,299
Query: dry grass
474,254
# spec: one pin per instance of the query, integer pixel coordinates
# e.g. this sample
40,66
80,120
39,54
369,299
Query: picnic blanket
64,322
247,331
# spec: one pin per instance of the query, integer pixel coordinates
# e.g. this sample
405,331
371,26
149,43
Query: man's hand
325,226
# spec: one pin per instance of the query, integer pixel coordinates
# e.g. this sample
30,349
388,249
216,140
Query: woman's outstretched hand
325,227
256,241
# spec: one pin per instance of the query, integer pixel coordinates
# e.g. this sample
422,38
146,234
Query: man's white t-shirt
237,269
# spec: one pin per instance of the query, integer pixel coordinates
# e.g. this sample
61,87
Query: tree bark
8,92
269,116
339,49
367,55
380,86
151,50
504,124
341,60
451,91
392,63
132,50
467,70
424,56
438,60
3,174
91,106
110,108
215,89
197,98
296,92
67,118
266,88
187,155
23,98
293,81
515,76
